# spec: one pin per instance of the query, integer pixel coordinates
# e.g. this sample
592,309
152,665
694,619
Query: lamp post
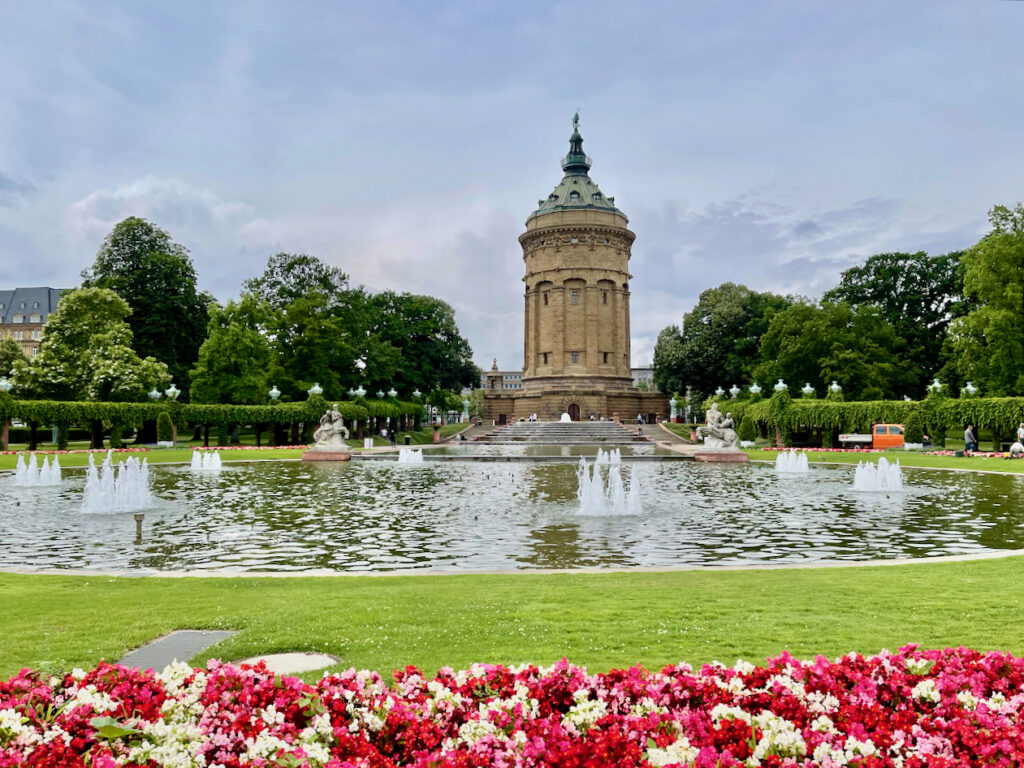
274,393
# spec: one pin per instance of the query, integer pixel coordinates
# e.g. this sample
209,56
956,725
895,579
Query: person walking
970,441
1020,433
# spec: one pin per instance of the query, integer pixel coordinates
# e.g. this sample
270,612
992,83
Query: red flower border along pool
956,707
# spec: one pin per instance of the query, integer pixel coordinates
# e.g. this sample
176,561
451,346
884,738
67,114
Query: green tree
917,295
235,359
155,275
816,344
987,343
718,342
291,276
10,353
86,353
432,352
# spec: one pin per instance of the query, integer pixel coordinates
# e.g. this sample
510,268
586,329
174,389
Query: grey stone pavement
180,645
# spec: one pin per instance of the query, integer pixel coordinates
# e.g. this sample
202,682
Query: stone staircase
564,433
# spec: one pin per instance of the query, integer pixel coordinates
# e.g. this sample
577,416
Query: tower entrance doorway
574,412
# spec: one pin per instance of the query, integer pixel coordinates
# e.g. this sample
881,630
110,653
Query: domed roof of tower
576,190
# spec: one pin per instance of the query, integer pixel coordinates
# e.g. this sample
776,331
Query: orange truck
881,436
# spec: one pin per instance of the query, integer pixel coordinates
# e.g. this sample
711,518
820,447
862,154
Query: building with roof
23,313
576,250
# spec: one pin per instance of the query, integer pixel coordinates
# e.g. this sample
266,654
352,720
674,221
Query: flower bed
77,450
913,709
248,447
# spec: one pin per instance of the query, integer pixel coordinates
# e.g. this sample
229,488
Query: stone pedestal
330,455
437,434
725,457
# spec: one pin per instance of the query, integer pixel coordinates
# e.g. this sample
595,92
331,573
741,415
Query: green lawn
179,455
600,620
906,459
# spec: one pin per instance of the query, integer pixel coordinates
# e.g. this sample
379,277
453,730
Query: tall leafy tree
10,353
235,359
719,339
291,276
918,295
433,353
155,275
86,353
988,342
816,344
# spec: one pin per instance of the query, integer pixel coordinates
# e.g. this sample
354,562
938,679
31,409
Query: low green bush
164,428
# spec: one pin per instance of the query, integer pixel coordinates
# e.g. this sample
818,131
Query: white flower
584,714
678,751
919,666
926,691
725,712
857,748
778,737
967,700
472,731
823,724
90,697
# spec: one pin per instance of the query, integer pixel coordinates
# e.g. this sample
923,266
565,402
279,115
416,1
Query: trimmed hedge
933,415
124,415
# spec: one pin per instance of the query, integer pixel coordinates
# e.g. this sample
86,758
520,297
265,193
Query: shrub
913,429
747,430
164,429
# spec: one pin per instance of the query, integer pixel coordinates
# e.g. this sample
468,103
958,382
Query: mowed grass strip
905,458
596,619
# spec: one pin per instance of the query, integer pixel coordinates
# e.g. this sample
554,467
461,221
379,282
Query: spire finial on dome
576,161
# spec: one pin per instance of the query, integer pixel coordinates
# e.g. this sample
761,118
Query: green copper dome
576,190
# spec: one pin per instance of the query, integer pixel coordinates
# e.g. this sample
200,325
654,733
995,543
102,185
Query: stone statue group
719,432
332,432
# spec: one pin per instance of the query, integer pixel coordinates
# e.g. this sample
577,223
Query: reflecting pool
466,515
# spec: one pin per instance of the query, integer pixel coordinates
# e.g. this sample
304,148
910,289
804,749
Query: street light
154,394
172,392
316,389
5,384
274,392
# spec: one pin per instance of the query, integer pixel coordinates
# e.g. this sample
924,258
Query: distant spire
576,161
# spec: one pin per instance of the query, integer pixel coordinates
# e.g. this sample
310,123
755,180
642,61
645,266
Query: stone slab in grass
292,663
180,645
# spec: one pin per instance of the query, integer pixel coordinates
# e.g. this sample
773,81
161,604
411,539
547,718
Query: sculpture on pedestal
719,433
330,439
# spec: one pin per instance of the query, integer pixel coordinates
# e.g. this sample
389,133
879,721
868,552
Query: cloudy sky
772,143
